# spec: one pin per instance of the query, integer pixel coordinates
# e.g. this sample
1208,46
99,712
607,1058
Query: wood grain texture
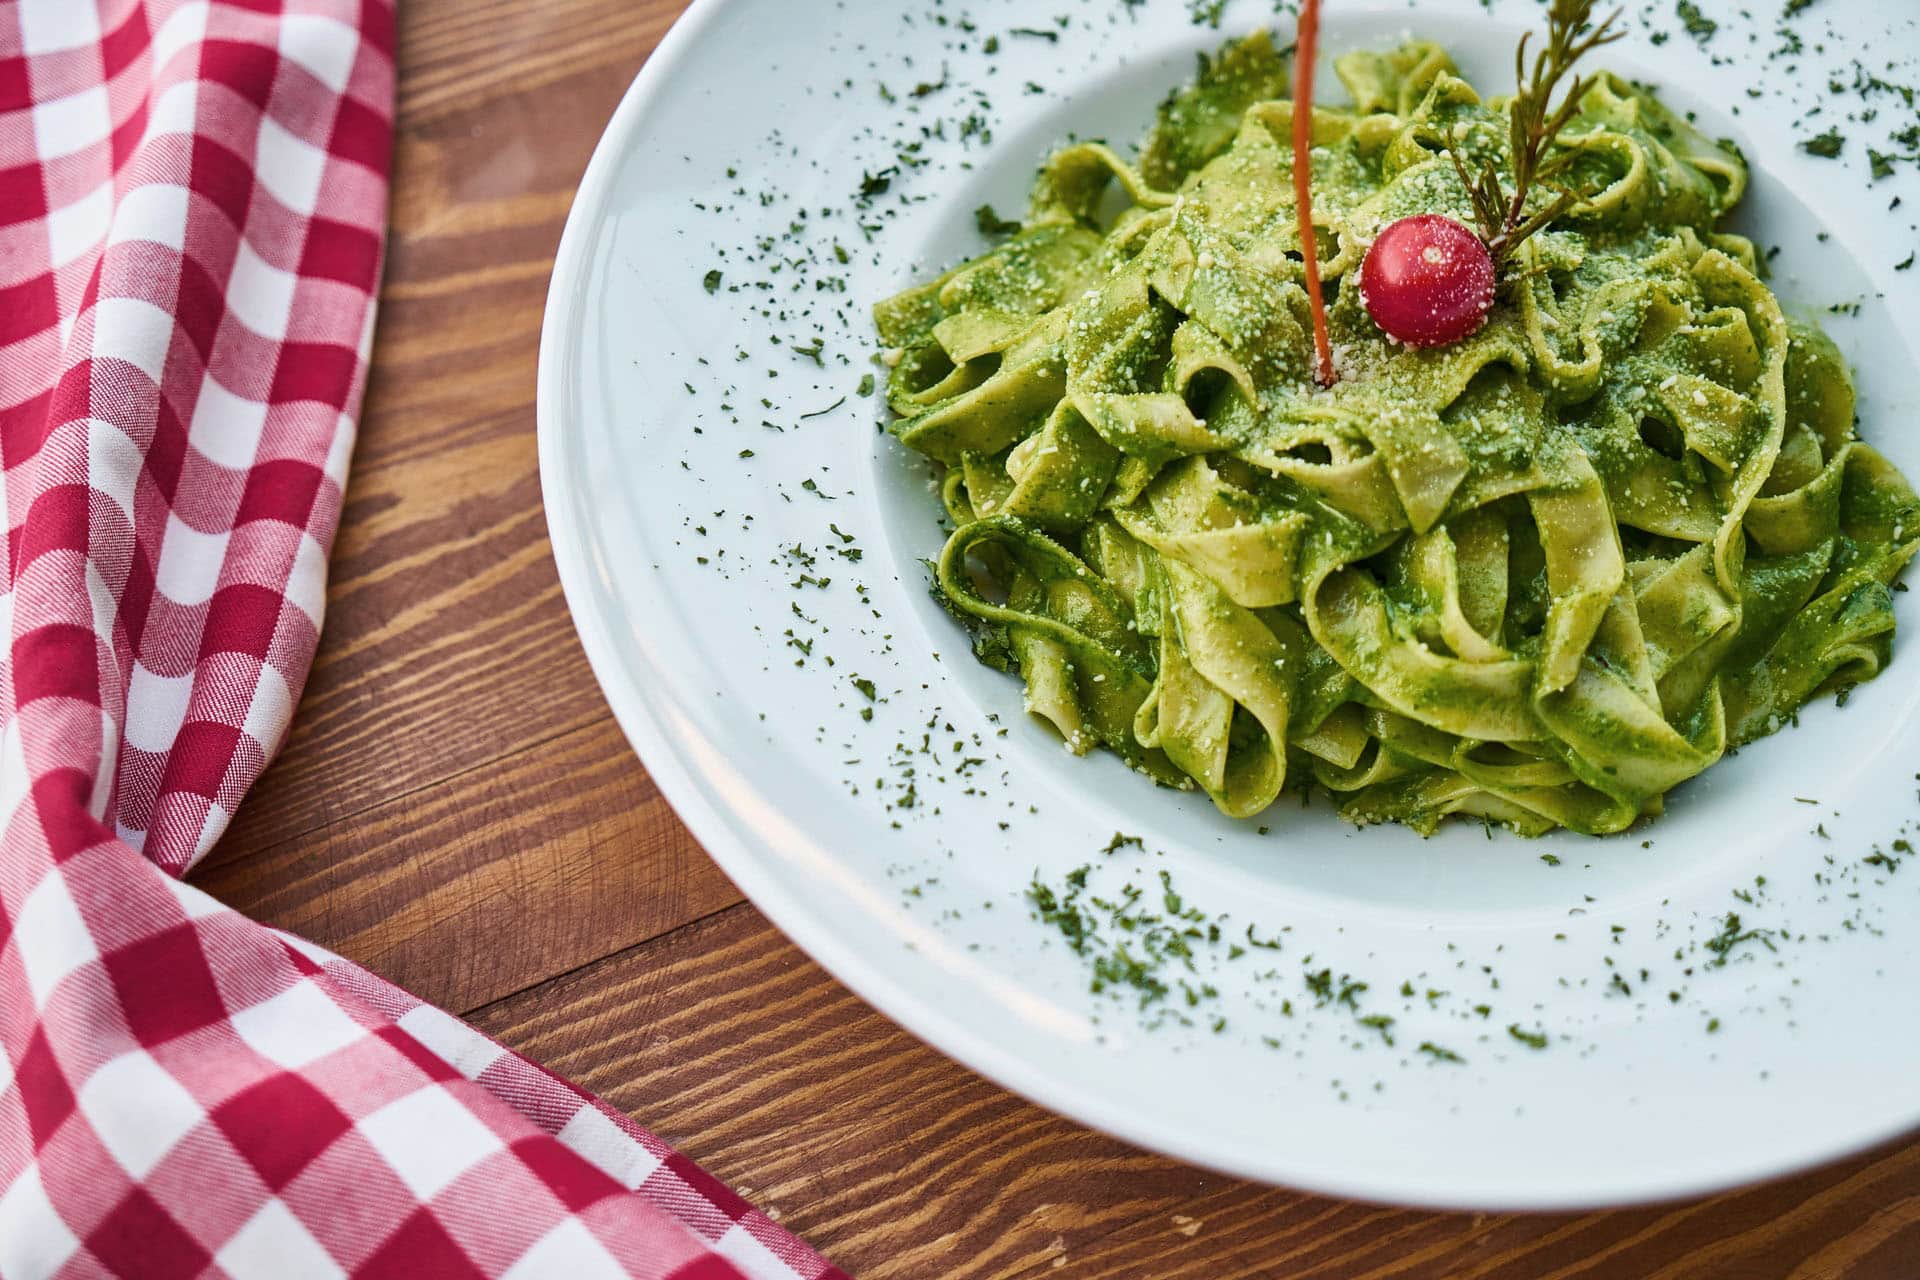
456,810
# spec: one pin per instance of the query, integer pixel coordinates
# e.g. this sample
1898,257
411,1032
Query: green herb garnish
1698,24
1826,145
1531,1039
991,224
1533,123
1732,935
1206,12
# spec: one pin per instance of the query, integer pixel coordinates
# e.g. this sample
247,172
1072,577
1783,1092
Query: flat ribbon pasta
1539,577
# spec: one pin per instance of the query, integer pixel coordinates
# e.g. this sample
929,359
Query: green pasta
1539,577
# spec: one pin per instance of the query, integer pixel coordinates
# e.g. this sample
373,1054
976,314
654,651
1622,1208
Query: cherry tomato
1427,281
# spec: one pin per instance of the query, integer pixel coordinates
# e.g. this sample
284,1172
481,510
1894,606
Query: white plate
920,909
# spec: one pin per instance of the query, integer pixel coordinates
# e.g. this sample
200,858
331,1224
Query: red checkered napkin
192,199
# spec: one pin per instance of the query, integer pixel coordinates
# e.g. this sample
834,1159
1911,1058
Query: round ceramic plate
1470,1021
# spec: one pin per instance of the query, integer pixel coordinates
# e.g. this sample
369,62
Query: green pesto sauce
1536,578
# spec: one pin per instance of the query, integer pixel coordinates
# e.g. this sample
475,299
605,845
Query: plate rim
733,848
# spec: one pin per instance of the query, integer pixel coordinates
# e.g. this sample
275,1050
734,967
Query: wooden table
457,810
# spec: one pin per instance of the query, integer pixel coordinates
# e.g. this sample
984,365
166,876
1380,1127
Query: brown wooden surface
457,810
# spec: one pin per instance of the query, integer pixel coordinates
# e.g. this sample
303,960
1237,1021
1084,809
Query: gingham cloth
192,201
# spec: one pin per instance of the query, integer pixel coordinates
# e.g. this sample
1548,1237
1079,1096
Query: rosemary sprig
1533,123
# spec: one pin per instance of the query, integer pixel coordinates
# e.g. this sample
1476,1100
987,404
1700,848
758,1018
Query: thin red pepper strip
1304,46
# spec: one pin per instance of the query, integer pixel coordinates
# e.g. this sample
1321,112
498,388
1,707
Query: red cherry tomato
1427,281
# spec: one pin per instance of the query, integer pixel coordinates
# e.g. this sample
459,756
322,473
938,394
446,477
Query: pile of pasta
1538,577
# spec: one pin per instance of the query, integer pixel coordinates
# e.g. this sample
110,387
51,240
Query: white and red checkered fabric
192,202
